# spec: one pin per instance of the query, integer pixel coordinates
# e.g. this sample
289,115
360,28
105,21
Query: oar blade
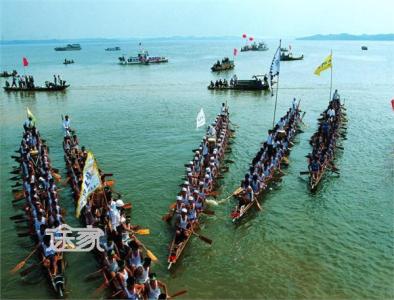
151,255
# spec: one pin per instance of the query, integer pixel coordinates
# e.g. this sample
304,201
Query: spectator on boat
265,80
54,80
7,84
13,81
59,80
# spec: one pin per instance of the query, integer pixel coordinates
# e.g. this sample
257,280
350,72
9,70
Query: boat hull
37,89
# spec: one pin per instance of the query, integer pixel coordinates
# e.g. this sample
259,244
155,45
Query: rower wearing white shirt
336,95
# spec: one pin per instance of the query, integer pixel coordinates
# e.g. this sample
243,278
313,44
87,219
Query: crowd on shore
269,158
201,175
125,268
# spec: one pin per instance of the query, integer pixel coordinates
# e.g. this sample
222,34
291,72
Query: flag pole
331,78
277,88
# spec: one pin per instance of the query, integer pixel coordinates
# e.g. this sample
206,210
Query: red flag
251,38
235,51
392,103
25,62
244,36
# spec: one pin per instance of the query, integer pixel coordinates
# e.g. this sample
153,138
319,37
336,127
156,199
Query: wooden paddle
257,204
305,173
127,206
142,231
182,292
16,217
15,178
201,237
208,212
103,286
21,264
148,252
94,274
24,234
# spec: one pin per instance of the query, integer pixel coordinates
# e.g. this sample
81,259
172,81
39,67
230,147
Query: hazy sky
44,19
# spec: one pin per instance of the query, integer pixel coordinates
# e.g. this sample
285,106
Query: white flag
200,118
275,65
91,181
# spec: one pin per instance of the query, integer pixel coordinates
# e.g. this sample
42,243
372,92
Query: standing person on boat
336,95
28,124
59,79
66,124
54,79
13,81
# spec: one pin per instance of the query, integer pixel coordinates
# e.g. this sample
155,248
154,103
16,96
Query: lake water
140,123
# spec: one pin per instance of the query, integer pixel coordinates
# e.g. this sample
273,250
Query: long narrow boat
267,164
205,166
36,171
56,88
324,143
100,200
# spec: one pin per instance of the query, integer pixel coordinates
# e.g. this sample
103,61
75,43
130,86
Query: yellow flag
327,63
30,115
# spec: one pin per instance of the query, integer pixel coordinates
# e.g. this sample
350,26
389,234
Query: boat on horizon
142,58
69,47
255,47
113,49
364,48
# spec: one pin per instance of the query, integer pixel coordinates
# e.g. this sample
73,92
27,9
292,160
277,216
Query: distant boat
67,62
224,65
255,47
6,74
113,49
254,84
143,58
364,48
290,57
69,47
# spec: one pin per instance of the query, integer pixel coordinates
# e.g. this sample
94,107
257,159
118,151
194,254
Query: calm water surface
140,123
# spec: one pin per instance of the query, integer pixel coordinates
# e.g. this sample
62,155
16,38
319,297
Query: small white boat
143,58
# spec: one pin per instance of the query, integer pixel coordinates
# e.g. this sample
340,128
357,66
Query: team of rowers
42,202
324,140
124,266
268,160
201,174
